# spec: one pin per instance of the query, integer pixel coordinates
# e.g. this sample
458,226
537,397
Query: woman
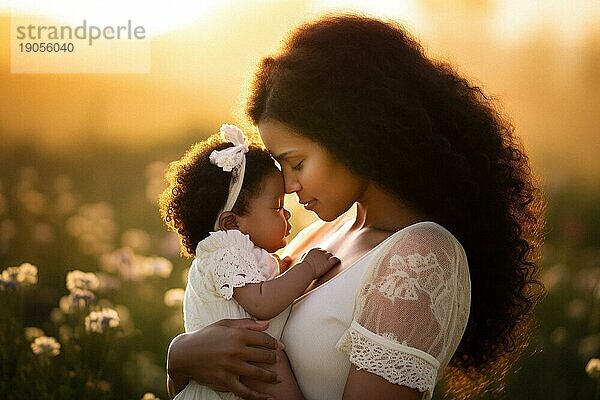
357,114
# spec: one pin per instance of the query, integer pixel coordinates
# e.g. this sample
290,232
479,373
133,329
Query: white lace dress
224,260
398,312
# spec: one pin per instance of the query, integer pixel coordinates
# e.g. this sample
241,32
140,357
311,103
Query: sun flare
156,17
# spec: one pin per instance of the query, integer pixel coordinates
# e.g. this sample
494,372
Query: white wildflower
174,297
57,315
65,203
28,274
156,169
43,234
32,201
125,321
65,333
136,239
99,321
45,346
98,387
589,346
108,282
66,305
94,228
169,245
576,308
125,263
25,275
76,301
155,183
114,261
33,332
558,336
157,266
62,183
554,276
6,284
81,298
593,368
82,280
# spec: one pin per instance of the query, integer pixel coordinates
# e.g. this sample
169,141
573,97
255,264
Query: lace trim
223,239
231,260
394,365
234,270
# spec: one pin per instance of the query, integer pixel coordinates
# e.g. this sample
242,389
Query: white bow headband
231,159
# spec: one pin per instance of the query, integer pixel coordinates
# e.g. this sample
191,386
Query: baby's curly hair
196,190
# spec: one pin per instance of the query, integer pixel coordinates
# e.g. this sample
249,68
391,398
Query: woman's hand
219,354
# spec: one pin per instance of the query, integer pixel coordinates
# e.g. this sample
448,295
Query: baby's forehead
273,185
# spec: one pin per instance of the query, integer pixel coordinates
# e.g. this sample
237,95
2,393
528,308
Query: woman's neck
380,210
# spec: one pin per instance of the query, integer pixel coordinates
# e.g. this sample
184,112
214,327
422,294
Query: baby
225,200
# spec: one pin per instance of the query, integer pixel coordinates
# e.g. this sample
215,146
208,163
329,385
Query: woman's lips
310,205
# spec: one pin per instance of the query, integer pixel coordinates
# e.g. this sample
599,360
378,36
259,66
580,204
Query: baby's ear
228,221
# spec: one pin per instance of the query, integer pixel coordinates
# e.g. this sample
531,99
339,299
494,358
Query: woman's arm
267,299
362,384
219,354
413,298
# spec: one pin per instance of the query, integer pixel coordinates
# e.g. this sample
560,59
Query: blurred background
83,155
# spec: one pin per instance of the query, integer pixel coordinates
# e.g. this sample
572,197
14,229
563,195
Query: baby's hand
284,263
320,261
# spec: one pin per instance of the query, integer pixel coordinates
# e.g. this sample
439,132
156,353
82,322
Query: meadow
92,282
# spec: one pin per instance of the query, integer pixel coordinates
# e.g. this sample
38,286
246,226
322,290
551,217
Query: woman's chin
325,216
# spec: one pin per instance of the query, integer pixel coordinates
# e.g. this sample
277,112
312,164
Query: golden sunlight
538,58
156,17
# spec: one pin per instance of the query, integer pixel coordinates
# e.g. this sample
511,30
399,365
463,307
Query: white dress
398,312
224,260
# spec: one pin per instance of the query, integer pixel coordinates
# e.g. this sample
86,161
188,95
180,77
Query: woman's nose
291,184
286,213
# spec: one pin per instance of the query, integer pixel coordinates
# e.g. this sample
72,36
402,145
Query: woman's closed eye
298,166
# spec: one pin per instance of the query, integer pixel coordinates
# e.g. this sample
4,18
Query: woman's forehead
280,139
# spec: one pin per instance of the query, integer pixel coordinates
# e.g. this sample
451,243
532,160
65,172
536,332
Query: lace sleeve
233,268
232,260
411,309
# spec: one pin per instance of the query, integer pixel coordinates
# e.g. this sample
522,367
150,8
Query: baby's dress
224,260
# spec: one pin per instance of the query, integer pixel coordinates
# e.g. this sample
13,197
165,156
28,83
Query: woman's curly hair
366,91
197,190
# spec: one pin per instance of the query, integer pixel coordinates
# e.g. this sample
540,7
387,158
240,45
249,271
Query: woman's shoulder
430,230
423,237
